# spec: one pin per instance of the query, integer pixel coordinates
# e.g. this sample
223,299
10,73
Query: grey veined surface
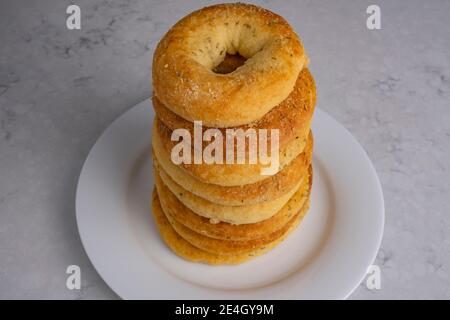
59,89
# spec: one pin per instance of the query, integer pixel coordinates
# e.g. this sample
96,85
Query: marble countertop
60,88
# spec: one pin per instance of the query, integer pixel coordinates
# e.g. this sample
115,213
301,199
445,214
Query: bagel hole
230,63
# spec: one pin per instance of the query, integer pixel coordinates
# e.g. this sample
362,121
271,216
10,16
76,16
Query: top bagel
183,63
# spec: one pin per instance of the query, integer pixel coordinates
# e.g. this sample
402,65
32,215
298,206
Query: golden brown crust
226,231
191,253
265,190
183,79
226,247
232,214
230,174
292,117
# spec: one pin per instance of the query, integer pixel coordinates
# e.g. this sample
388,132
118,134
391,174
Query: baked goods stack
220,72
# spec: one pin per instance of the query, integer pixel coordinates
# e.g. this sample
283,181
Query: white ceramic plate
326,257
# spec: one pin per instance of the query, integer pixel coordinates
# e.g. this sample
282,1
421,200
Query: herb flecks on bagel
184,79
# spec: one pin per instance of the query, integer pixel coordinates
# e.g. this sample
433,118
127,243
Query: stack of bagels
231,66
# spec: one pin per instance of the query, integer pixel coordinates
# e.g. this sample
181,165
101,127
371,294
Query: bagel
292,117
268,189
226,231
191,253
230,174
216,212
184,59
226,247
